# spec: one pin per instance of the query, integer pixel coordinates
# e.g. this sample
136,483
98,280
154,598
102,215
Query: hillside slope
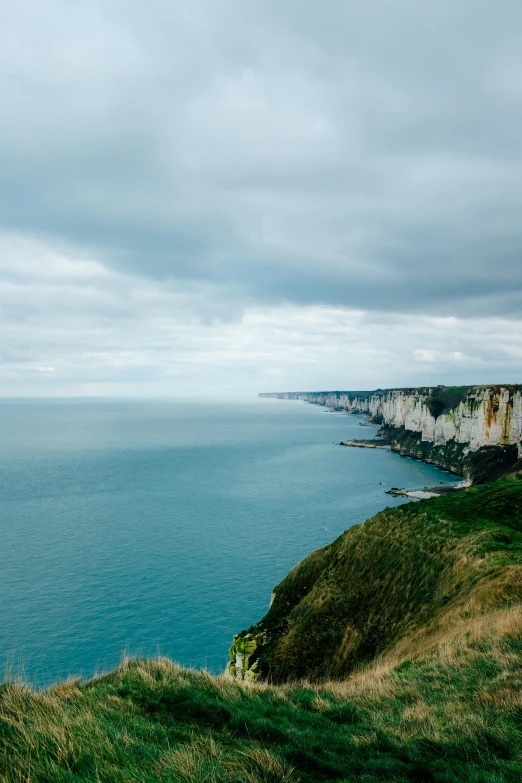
408,575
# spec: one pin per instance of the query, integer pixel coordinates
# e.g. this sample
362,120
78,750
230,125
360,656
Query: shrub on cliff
444,399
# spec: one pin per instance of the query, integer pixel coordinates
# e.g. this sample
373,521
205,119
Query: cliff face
446,426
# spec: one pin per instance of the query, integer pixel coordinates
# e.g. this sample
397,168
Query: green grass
482,507
410,627
441,719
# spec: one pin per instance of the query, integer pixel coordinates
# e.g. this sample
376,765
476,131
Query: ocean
158,527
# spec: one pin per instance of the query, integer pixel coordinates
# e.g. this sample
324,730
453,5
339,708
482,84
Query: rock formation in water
475,431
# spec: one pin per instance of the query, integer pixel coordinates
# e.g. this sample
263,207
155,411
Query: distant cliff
473,430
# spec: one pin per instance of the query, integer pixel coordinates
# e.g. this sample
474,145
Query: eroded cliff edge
474,431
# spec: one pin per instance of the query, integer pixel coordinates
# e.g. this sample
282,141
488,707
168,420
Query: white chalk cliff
480,416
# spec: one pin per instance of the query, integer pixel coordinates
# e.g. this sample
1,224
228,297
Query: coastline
471,431
415,494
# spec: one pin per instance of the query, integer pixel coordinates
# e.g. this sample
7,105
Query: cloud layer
72,326
176,181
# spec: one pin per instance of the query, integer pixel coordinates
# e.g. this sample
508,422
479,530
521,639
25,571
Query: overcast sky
232,196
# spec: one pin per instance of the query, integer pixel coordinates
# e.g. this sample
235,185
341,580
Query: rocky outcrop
464,429
364,444
243,664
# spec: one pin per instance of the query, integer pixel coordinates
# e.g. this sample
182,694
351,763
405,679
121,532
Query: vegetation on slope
483,465
444,399
396,580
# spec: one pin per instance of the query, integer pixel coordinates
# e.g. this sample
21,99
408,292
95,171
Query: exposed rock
365,444
241,666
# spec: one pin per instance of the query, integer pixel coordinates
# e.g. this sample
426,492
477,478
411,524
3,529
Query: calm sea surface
152,527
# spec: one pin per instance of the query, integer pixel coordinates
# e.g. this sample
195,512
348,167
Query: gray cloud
71,326
361,155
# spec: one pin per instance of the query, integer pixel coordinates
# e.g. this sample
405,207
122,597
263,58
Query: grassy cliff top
411,625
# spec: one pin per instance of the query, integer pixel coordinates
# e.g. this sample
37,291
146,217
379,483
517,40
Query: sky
223,197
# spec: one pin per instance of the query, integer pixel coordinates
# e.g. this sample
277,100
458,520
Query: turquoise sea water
152,527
